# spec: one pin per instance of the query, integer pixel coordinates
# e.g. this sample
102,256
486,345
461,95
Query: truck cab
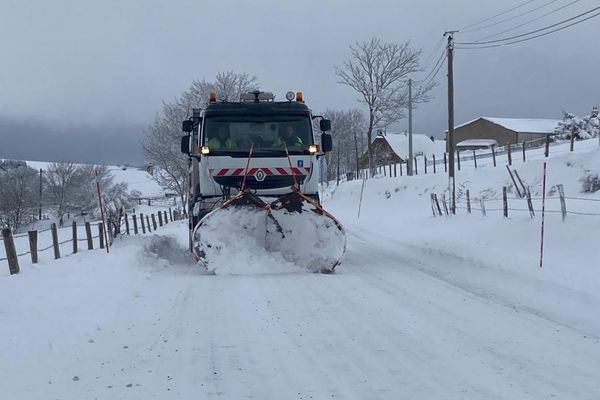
265,146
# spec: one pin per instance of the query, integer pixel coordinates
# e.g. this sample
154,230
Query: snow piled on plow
248,240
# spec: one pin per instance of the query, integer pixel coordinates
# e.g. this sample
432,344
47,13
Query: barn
502,131
392,148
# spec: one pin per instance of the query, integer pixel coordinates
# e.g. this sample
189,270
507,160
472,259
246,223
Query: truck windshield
269,133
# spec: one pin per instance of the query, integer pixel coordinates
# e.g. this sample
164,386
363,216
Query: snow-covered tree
162,141
582,128
379,72
347,127
18,193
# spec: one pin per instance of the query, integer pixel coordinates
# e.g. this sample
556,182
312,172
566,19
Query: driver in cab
222,140
289,137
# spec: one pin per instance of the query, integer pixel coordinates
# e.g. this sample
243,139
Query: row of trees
61,189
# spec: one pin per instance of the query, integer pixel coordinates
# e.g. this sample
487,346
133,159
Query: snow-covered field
423,307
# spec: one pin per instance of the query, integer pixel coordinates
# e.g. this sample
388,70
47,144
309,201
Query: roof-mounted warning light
257,96
212,97
299,96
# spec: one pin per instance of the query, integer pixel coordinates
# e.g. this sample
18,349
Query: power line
496,42
497,15
436,71
441,59
529,21
511,18
436,48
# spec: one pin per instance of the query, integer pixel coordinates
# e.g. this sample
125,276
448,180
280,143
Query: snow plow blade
294,225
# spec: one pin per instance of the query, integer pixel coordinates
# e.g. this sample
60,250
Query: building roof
521,125
422,144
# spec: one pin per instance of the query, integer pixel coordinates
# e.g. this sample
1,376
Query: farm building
485,131
392,148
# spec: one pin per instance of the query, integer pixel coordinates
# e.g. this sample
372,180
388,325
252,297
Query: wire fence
127,225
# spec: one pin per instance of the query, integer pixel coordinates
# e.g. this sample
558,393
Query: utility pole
410,133
450,138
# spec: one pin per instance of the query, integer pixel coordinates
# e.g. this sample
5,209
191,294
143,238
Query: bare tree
162,140
17,194
378,71
346,128
64,183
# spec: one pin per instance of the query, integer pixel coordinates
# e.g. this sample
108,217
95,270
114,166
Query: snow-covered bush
583,128
590,183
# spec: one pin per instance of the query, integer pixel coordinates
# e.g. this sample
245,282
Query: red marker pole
543,213
102,212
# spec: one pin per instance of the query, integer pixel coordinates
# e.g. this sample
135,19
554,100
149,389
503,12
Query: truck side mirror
325,125
326,143
185,144
187,125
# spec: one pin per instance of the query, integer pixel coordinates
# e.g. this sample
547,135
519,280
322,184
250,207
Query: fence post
135,227
425,163
437,204
148,223
88,234
33,249
395,169
143,223
171,212
524,145
160,221
504,202
153,221
416,166
521,182
165,217
445,205
101,234
74,237
126,223
509,155
445,162
513,181
572,137
475,159
432,204
482,203
433,155
530,204
563,205
468,201
55,241
494,154
458,158
547,148
11,252
390,166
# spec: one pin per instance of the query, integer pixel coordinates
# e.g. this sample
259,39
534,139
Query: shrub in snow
584,128
590,183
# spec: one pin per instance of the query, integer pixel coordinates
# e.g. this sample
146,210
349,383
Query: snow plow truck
254,168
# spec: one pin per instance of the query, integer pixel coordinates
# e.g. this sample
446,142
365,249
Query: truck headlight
313,148
204,150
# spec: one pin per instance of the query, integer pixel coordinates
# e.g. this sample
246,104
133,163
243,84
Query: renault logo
260,175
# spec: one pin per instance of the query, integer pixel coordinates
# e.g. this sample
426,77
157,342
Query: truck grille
270,182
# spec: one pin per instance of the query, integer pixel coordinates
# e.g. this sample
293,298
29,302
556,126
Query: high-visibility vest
297,142
216,143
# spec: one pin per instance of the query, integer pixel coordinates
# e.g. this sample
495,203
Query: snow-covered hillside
422,307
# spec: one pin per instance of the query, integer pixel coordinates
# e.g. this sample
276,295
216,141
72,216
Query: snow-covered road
393,322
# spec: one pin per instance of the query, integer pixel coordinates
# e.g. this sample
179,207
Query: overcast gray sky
81,79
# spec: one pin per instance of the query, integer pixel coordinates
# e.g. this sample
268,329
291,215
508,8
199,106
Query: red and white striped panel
268,171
